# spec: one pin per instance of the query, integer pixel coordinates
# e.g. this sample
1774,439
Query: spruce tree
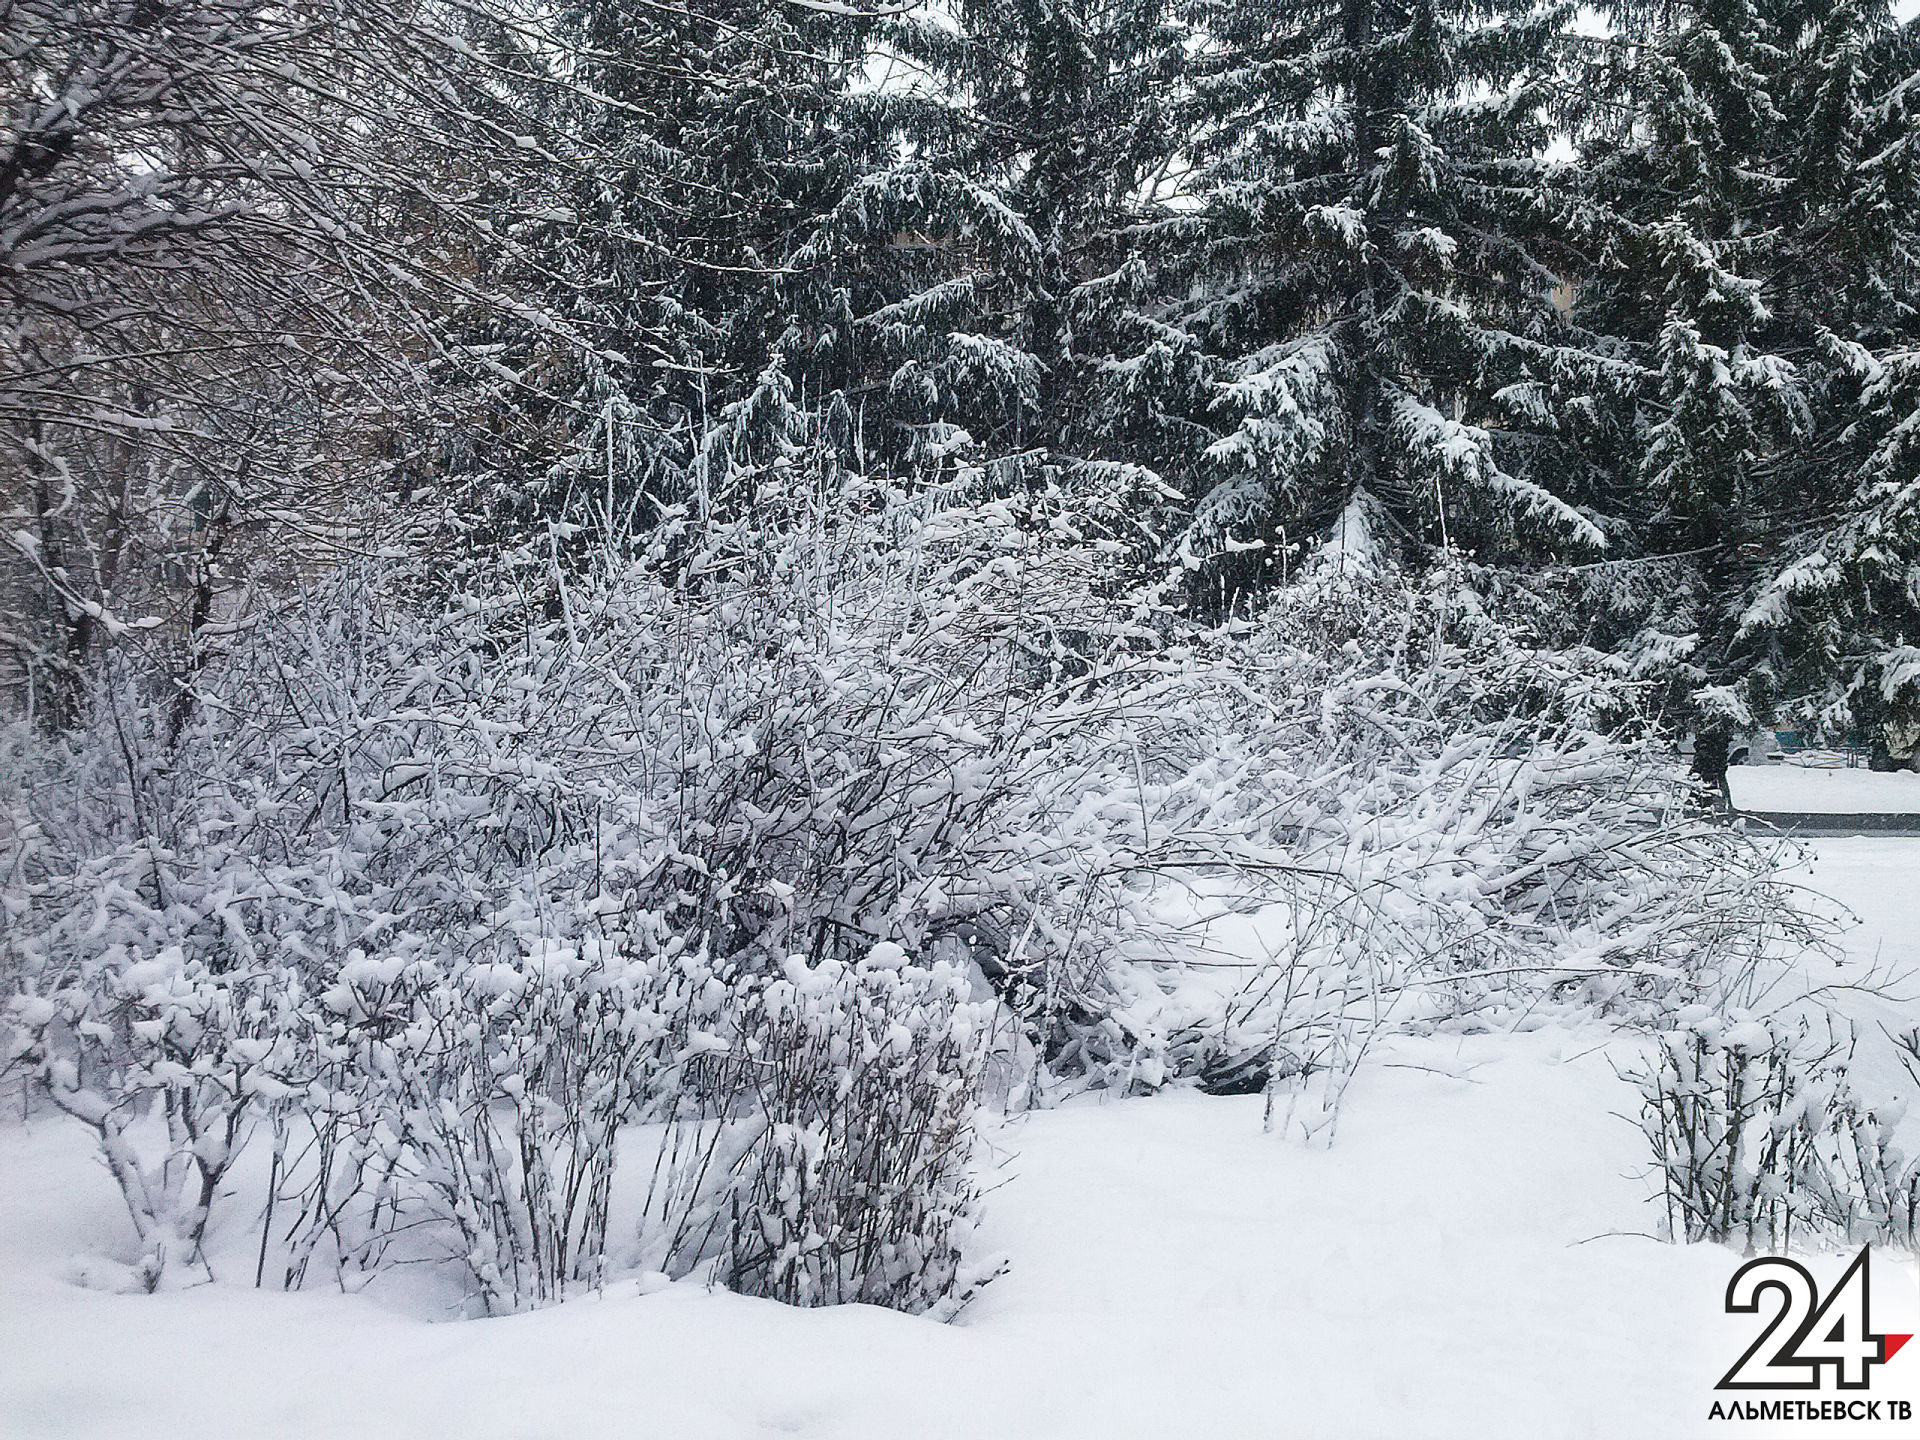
1379,274
1828,634
1068,111
770,254
1756,156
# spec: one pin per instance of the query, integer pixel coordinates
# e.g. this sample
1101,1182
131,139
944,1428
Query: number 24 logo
1806,1332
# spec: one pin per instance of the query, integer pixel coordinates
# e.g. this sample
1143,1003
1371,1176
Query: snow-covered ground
1813,790
1470,1259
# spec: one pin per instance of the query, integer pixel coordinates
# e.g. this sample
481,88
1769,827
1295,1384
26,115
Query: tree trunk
1710,748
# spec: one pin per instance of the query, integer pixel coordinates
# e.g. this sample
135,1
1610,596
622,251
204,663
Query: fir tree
1828,631
770,253
1756,156
1380,270
1069,111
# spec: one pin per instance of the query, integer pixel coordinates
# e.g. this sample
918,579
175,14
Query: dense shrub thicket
726,878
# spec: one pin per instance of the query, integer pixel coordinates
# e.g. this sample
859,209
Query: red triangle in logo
1893,1344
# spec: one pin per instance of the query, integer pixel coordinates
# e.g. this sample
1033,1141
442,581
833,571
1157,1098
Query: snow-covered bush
1760,1141
1440,822
513,861
137,1034
473,877
511,884
480,1096
827,1146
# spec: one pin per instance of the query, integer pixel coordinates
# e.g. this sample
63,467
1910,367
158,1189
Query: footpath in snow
1471,1259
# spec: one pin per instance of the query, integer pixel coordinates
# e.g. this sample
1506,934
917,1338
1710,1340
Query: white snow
1877,881
1175,1272
1806,789
1469,1259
